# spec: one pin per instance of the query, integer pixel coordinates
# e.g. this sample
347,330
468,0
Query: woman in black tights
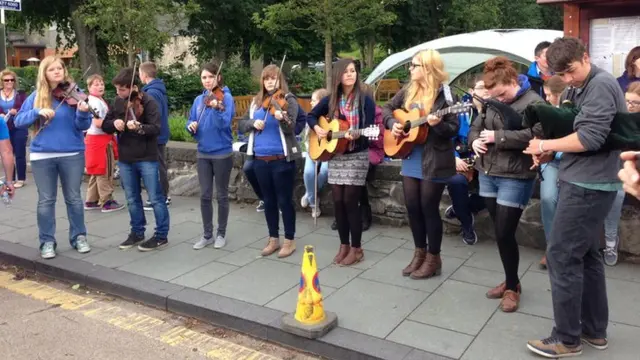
505,175
347,172
426,170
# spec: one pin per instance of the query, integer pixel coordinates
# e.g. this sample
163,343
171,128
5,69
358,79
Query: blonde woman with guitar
430,162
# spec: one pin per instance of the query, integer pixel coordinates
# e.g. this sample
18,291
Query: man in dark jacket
155,87
138,158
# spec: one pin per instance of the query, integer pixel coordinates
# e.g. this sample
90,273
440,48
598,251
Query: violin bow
276,87
204,106
128,106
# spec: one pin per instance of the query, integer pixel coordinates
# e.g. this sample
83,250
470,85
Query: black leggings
422,199
347,210
505,221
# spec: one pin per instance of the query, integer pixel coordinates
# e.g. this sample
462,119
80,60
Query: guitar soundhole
329,135
407,127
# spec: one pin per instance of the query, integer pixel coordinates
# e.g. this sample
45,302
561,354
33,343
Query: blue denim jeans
549,196
507,191
613,219
250,173
309,177
70,170
130,175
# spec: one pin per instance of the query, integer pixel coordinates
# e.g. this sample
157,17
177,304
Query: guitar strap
447,94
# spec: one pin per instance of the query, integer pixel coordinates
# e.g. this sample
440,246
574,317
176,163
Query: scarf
350,109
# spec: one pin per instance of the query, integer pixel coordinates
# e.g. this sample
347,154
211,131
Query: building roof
464,51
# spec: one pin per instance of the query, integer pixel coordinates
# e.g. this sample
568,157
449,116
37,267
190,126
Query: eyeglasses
413,66
9,80
633,103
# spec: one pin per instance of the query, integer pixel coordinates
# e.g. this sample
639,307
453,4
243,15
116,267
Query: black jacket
139,145
438,155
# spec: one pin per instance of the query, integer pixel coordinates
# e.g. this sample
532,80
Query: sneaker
469,236
260,207
153,244
147,205
304,202
553,348
48,250
131,241
92,205
82,246
334,225
315,213
220,242
202,243
610,255
18,184
111,206
600,344
449,213
168,202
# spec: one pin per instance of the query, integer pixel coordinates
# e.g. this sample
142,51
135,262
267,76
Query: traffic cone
310,320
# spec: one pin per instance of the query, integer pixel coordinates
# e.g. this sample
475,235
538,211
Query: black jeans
250,173
576,270
276,180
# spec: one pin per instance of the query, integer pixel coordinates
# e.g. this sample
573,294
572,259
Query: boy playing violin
136,118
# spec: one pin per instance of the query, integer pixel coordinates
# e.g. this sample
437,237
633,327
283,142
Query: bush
177,129
305,81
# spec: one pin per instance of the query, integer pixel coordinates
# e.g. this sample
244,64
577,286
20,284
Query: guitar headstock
460,107
372,132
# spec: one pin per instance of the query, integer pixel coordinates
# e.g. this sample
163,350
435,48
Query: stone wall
387,199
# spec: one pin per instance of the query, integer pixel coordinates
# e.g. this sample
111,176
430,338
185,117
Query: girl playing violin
347,172
273,145
56,151
210,124
428,168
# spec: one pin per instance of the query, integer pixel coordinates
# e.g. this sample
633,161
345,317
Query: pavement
381,315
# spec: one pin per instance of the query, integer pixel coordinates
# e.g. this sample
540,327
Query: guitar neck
423,120
341,134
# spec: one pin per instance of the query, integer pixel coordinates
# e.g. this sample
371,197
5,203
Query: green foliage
126,23
26,77
177,129
417,21
305,81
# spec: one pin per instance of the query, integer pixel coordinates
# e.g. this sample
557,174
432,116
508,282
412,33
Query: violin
275,102
134,108
68,92
215,94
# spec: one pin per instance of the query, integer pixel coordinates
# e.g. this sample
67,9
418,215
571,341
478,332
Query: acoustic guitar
415,129
335,143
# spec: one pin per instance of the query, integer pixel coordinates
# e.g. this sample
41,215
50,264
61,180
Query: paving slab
429,338
371,307
204,275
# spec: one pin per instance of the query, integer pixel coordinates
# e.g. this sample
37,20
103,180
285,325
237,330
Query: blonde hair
93,78
320,94
43,90
634,88
424,91
6,72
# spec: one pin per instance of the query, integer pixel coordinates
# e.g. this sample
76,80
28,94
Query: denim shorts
508,192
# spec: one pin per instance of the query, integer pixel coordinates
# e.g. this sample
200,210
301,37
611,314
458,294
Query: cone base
291,325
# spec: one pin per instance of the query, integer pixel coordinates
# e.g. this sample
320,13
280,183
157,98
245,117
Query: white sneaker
220,242
202,243
315,213
304,202
82,246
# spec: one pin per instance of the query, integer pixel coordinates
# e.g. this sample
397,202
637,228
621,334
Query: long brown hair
339,68
629,64
270,71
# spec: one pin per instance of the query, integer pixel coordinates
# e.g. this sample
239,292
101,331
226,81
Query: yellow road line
157,329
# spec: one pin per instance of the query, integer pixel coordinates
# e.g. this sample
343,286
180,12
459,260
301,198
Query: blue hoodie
158,92
64,134
214,129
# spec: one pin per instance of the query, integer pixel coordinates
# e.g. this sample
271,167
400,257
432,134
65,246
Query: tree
370,22
331,20
417,21
134,25
36,17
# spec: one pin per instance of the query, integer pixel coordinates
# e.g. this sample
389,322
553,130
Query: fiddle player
56,151
210,124
274,148
136,118
428,168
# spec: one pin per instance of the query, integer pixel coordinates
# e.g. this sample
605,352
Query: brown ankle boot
354,256
287,249
342,253
272,246
431,266
418,258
